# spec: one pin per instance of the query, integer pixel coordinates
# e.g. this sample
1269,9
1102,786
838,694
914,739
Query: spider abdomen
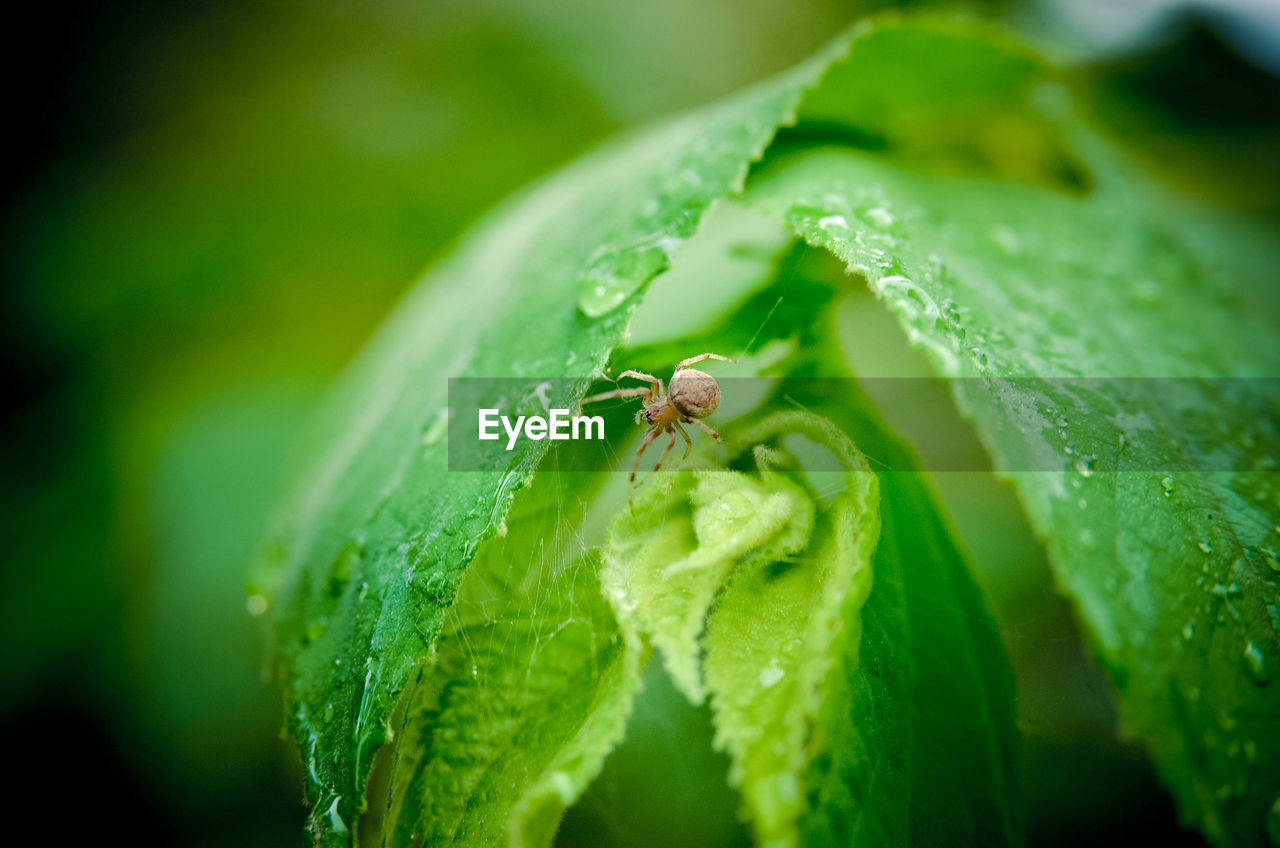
694,393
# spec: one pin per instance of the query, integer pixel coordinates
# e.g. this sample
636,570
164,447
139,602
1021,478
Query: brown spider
694,395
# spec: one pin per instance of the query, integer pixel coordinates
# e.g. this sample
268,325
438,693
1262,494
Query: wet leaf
368,554
669,554
1105,348
861,691
1018,265
527,689
778,628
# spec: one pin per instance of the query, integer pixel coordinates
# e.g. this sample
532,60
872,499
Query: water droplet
1167,482
1255,662
328,712
438,426
1084,465
257,604
614,272
1061,421
830,221
880,217
738,504
770,676
908,295
1272,558
1189,630
335,820
437,589
563,785
1205,545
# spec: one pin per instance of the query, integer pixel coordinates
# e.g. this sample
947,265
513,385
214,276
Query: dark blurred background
209,206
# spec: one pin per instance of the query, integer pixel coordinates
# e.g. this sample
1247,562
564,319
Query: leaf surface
1091,327
366,559
1120,376
862,692
527,689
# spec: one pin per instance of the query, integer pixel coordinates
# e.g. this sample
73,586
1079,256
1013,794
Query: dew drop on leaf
437,589
615,272
771,674
437,429
1256,664
335,820
880,217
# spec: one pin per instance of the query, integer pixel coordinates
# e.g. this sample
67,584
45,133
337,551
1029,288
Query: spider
694,394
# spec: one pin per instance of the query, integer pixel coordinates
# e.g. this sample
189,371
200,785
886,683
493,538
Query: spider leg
712,433
648,378
648,440
670,445
687,441
699,358
616,393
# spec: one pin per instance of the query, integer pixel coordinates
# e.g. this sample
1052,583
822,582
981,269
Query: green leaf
1012,263
665,564
1021,290
366,560
670,553
527,689
855,710
917,730
777,627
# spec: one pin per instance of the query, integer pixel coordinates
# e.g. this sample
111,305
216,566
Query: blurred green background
210,206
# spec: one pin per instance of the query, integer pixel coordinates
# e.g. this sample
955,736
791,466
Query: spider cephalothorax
694,395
